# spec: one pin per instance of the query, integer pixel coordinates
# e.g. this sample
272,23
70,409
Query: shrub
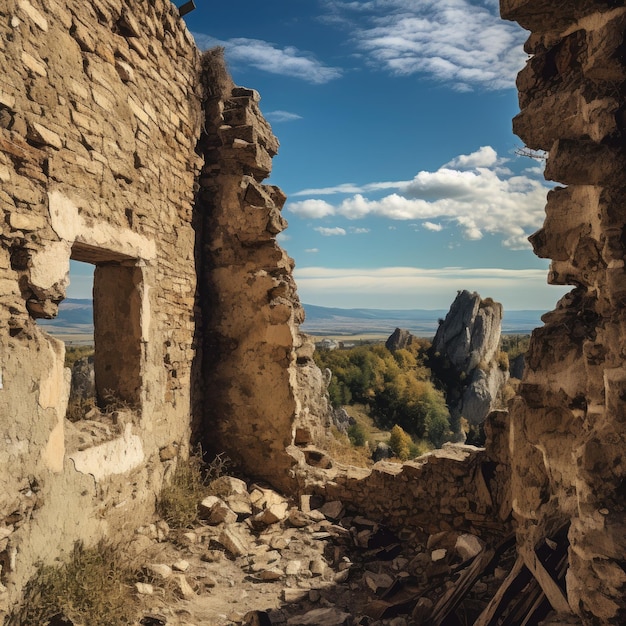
95,587
400,442
357,435
503,361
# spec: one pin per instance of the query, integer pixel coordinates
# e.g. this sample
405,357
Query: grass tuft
180,497
94,587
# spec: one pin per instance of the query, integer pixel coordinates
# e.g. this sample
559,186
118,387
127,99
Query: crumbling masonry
122,146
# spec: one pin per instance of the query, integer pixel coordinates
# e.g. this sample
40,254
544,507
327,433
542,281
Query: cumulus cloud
412,287
485,156
312,250
432,226
265,56
359,231
461,42
477,199
330,232
282,116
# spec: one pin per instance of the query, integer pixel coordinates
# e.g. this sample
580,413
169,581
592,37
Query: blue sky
397,155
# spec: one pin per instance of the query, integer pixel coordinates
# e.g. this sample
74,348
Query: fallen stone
145,589
181,565
212,556
438,555
215,511
228,486
293,568
468,546
294,595
377,582
274,573
317,567
272,514
342,576
299,519
240,504
262,498
158,571
333,510
233,543
279,543
256,618
182,587
321,617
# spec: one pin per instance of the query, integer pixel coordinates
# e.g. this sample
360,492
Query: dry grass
94,587
217,81
180,497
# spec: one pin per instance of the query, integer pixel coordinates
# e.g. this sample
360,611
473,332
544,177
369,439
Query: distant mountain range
76,316
422,322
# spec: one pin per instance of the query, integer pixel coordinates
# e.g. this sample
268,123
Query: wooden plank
493,608
553,592
451,599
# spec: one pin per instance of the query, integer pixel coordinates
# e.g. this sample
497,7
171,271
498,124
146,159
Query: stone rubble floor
275,563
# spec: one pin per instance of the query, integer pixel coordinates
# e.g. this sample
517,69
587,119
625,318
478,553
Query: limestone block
233,542
41,135
216,511
272,514
37,66
28,9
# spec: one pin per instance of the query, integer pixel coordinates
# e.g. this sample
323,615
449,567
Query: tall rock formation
464,356
568,439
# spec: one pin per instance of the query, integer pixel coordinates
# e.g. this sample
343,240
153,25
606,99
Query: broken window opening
103,345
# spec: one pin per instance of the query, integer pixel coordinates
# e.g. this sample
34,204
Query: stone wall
568,436
123,147
262,391
458,488
99,118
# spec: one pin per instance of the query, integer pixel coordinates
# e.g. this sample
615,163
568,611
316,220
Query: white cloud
432,226
282,237
312,209
461,42
330,232
485,156
479,200
412,287
282,116
265,56
359,231
312,250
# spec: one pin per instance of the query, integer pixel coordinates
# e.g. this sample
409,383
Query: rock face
399,340
464,356
568,437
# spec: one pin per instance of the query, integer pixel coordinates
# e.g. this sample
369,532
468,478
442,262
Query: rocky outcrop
568,438
464,356
400,339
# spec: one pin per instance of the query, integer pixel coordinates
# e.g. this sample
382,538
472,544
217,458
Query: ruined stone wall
458,488
568,425
262,393
99,118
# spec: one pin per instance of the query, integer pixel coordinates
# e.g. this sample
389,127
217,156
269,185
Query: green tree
400,442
